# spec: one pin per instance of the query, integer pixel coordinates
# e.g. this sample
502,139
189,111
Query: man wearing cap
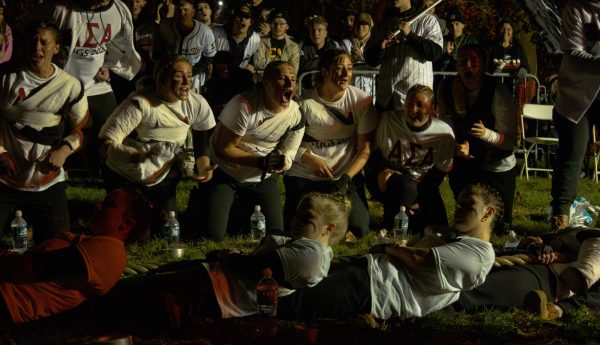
204,12
278,45
237,38
355,45
456,26
183,35
406,57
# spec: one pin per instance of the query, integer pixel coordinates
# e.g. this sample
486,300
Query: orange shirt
105,260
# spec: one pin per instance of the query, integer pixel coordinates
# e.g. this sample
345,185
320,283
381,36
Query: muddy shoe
559,223
536,302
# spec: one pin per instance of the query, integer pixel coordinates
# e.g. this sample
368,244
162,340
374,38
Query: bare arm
227,148
362,154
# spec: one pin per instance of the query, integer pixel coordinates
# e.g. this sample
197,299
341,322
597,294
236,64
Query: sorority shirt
415,152
305,263
400,291
262,131
32,109
156,123
331,129
105,260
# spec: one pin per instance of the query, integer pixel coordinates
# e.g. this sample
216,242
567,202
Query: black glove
537,249
7,165
341,185
272,161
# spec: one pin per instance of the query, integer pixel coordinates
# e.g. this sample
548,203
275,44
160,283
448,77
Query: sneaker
536,302
559,223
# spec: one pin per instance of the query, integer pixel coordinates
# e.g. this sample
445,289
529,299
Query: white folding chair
595,151
539,113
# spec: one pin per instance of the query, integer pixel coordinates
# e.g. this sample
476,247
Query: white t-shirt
261,131
156,123
305,263
91,46
38,110
400,291
331,129
415,151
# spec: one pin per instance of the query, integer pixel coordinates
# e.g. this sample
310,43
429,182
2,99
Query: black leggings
296,187
209,208
345,292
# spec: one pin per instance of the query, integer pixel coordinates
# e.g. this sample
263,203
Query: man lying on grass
61,273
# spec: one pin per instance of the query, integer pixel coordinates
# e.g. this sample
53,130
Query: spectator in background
406,58
101,42
483,116
507,55
237,38
278,45
204,12
257,137
260,22
340,121
161,119
442,22
577,106
456,38
355,46
165,10
346,25
413,152
183,35
145,31
61,273
226,81
6,37
312,49
37,103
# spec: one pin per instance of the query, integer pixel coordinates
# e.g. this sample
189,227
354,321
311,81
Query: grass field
485,327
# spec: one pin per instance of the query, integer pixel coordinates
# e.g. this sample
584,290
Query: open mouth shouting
286,96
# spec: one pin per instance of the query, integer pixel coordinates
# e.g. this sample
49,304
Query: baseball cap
365,18
243,11
278,13
455,16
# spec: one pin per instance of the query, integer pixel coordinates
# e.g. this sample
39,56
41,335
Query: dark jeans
573,139
101,106
590,299
507,286
465,172
403,190
163,195
296,187
209,207
46,211
345,292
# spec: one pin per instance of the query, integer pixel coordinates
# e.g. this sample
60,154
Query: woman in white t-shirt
160,121
408,281
340,122
224,285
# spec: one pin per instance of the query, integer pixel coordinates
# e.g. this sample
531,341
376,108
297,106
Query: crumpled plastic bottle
578,214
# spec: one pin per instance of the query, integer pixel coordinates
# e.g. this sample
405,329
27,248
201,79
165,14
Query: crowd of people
152,93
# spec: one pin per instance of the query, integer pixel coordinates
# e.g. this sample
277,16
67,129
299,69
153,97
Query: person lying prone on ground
397,281
224,285
60,273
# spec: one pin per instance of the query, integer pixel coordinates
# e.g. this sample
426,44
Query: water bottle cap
403,208
256,208
267,273
171,214
18,213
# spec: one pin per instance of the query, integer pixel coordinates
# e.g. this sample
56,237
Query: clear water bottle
171,228
266,301
258,226
512,242
400,232
18,232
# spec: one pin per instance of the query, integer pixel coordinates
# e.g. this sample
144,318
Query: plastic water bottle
258,226
171,228
400,232
512,242
578,214
18,232
266,301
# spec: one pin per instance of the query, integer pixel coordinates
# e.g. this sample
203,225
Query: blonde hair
419,89
489,196
335,209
